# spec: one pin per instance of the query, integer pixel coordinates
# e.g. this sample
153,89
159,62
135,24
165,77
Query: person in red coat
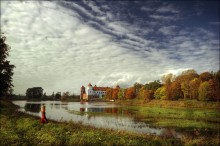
43,114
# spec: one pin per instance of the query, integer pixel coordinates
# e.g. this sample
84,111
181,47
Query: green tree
35,92
58,95
185,89
137,87
153,85
204,91
65,96
194,88
6,69
160,93
121,93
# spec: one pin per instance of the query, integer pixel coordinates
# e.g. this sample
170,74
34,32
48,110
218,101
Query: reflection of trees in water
32,107
114,110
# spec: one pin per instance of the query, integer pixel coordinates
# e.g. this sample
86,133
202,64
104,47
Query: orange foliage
130,93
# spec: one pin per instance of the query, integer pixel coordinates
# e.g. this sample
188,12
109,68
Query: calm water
98,114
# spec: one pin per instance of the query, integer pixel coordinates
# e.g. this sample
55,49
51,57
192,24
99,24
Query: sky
62,45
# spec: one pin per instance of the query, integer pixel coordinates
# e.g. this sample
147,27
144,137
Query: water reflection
101,115
35,108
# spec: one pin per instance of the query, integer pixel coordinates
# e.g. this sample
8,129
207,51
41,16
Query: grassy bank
171,103
21,129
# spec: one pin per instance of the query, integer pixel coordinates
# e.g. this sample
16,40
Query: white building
92,92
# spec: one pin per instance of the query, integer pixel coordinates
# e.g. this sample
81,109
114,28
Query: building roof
100,88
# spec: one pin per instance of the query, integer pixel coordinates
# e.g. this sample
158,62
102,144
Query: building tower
90,91
82,92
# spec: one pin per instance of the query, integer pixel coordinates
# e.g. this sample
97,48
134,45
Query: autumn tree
167,80
176,92
130,93
216,79
168,91
115,92
184,79
194,88
205,76
204,91
187,76
146,94
108,93
185,89
6,69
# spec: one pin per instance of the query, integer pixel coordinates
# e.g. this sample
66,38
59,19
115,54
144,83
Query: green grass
198,126
19,129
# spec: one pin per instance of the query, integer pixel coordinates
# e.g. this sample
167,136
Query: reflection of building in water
93,92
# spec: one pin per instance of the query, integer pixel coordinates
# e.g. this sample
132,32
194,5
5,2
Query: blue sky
62,45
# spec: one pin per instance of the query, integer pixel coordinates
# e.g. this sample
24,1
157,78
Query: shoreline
29,125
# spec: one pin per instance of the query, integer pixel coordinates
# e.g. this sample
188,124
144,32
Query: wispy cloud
61,45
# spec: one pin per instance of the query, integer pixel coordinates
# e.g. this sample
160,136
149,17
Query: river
97,114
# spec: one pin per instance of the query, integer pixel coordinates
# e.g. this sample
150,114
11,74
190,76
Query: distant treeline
37,93
188,85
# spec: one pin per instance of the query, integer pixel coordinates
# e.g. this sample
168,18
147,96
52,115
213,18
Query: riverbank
171,103
21,129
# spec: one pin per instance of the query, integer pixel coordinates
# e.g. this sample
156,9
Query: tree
121,93
137,87
185,89
6,69
108,93
204,90
217,85
176,92
146,94
194,88
130,93
58,95
168,91
187,76
65,96
153,85
115,93
205,76
160,93
167,80
35,92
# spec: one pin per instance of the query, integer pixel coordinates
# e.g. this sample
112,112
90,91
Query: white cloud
167,9
167,30
54,47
